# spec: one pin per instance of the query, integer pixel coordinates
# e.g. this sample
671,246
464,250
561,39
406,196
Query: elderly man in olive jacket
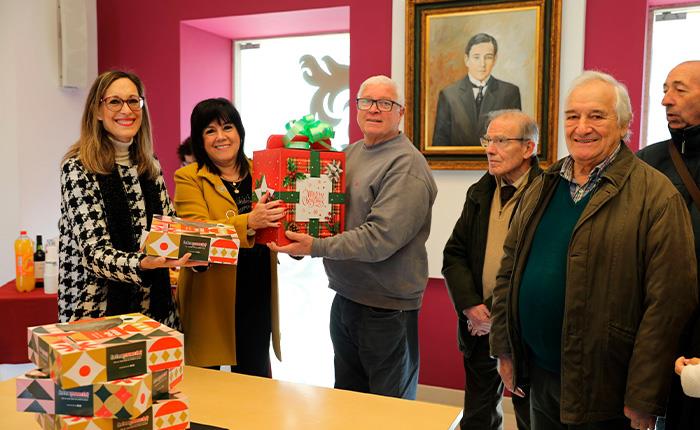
598,276
472,257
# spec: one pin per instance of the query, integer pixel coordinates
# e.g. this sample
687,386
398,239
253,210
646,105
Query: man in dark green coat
472,256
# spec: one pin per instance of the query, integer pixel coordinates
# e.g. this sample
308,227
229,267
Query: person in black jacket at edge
682,103
473,254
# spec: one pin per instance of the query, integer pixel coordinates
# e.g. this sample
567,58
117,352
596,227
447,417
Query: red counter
19,311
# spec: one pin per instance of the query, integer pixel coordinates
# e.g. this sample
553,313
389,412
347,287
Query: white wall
452,185
38,119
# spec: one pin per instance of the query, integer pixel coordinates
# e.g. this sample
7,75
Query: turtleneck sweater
121,151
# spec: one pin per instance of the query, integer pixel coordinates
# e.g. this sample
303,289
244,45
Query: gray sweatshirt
380,259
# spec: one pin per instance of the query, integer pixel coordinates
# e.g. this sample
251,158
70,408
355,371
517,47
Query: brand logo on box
126,360
74,401
197,245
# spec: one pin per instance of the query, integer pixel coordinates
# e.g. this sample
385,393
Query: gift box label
314,201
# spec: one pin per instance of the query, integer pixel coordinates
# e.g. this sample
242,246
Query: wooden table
19,311
239,402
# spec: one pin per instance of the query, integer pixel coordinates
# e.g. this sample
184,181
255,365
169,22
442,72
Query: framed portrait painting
467,59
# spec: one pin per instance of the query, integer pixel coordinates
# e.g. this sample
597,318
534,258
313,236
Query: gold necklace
234,184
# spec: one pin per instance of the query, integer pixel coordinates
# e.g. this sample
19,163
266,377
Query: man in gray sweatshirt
378,266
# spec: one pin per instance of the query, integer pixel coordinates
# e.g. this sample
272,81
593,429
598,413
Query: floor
452,397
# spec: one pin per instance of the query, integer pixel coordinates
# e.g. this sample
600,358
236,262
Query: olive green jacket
207,300
631,282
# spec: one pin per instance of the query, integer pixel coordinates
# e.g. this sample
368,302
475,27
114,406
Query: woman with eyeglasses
228,312
111,186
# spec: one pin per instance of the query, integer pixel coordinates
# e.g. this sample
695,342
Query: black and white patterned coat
87,259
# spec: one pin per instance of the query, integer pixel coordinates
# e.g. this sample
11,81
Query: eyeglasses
499,141
115,103
383,105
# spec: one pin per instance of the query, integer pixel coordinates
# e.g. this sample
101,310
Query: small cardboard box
167,414
86,352
123,398
310,182
173,237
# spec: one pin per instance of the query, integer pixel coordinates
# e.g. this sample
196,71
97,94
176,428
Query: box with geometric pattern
122,398
167,414
92,351
113,373
173,237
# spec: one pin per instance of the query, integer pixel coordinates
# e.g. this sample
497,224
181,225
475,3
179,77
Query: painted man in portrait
463,106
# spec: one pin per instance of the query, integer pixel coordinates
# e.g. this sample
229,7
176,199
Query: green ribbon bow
315,130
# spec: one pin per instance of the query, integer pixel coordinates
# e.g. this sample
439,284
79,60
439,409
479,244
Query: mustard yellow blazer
207,300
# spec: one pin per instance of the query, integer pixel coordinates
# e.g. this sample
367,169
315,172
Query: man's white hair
623,107
528,126
384,80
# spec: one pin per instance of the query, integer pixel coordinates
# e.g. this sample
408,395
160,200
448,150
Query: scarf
124,297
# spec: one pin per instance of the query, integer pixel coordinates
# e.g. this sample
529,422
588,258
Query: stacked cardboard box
107,373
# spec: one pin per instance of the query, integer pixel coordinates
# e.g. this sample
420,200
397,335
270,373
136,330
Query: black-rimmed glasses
499,141
384,105
115,103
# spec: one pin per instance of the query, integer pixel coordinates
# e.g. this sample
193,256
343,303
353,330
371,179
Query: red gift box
310,182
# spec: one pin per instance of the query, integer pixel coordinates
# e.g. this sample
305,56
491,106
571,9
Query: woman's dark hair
224,112
185,148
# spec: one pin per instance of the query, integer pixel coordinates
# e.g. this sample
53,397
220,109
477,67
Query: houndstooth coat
87,259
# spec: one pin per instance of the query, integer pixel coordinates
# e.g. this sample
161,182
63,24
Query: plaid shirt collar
580,191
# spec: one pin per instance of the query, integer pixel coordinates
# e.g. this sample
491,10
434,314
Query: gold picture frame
522,41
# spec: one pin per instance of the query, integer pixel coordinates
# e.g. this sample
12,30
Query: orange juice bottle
24,262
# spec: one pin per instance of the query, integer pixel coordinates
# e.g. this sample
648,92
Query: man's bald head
682,95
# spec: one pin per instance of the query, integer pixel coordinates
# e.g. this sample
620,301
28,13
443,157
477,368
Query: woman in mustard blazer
228,312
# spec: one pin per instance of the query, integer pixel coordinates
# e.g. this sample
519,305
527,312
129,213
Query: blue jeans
376,350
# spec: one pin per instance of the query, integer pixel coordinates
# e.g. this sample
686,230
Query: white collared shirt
478,84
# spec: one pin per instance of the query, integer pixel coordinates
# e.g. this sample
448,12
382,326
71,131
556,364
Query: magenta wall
440,360
205,66
143,36
615,35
